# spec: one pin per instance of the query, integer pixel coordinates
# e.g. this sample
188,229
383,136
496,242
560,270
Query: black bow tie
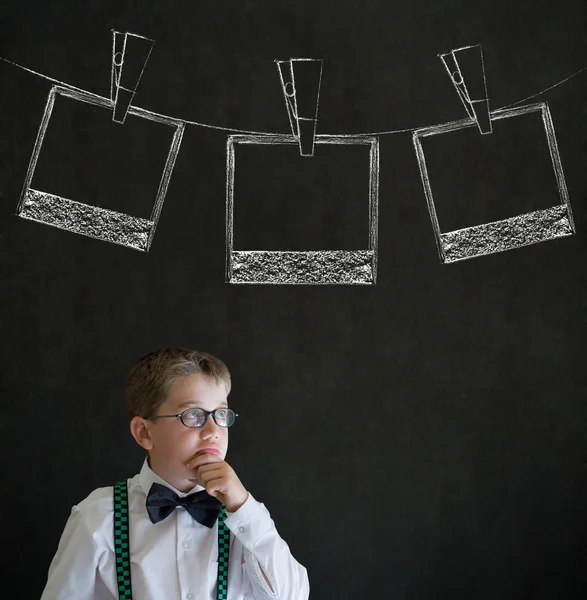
161,502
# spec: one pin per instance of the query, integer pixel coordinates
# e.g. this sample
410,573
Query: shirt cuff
250,522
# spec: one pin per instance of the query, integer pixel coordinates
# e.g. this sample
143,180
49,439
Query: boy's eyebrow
194,403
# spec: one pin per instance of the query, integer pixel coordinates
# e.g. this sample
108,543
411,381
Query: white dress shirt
175,559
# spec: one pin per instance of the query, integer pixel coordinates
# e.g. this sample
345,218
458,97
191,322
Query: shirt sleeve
74,569
265,549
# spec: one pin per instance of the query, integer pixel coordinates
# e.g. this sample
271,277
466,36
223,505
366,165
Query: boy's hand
219,479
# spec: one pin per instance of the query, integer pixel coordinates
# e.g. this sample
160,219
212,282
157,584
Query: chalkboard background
420,438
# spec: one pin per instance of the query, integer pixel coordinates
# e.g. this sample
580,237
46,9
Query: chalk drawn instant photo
356,266
93,221
541,225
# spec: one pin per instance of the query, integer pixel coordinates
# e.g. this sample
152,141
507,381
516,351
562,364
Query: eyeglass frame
207,413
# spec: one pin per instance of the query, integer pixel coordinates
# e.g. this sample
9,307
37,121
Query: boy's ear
140,432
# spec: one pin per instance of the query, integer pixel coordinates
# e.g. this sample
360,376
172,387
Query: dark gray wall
421,438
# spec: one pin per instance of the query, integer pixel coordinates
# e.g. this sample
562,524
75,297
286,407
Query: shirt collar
147,477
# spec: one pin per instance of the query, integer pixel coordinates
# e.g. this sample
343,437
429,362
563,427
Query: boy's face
171,444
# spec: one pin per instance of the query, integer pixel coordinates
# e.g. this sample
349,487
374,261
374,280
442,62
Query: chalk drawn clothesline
156,115
465,67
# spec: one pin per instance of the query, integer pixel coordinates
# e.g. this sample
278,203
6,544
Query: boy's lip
209,450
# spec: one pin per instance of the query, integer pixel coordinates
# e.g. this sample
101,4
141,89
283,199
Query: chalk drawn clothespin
300,82
467,72
130,53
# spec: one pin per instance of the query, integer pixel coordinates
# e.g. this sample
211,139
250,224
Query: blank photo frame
514,232
77,217
335,266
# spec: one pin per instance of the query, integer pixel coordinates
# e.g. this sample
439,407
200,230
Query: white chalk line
247,131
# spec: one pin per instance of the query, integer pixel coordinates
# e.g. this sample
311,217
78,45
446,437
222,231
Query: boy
177,401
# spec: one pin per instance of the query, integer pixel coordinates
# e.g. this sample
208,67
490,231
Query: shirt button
186,545
242,528
190,596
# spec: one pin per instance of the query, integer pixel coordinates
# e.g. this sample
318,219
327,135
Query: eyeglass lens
196,417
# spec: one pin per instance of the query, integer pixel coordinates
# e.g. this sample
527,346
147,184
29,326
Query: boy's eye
192,413
221,413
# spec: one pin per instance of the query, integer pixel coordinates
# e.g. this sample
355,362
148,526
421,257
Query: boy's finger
209,472
202,459
214,483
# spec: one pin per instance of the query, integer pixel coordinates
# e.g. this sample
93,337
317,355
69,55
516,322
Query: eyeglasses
197,417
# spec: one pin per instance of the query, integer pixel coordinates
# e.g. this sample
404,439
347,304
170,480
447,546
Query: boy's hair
150,378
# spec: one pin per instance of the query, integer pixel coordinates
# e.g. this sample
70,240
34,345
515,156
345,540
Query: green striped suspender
121,546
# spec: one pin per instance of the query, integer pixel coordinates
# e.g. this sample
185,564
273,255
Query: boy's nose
209,427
